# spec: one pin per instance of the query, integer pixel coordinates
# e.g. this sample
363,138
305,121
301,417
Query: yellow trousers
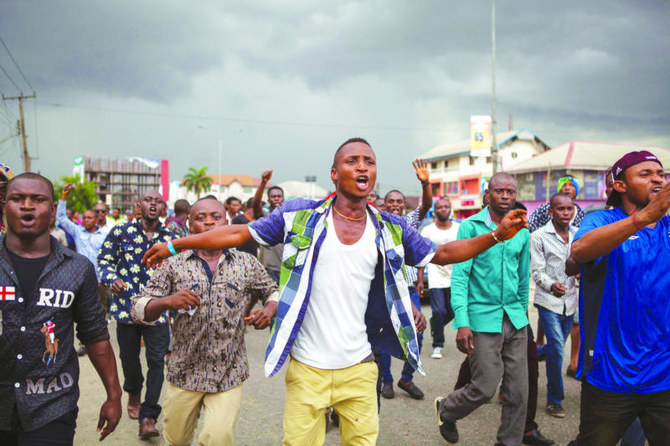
351,392
182,410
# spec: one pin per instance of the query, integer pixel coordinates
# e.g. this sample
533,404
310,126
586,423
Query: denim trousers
156,343
385,359
557,330
440,304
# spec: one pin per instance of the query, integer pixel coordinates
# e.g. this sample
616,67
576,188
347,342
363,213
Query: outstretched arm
223,237
602,240
423,175
462,250
258,198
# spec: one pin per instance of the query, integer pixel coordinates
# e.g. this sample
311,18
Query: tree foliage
196,180
82,196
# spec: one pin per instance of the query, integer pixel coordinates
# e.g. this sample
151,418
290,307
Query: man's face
116,214
379,204
89,220
562,210
442,210
206,215
29,208
569,189
355,170
100,214
641,182
501,194
372,196
394,203
275,198
234,207
151,205
609,182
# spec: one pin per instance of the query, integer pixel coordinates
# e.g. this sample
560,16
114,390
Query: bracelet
494,237
635,223
170,248
425,183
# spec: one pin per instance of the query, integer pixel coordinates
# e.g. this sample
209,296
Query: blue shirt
624,310
301,226
88,243
121,258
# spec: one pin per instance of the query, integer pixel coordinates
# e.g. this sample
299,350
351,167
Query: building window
451,188
433,166
489,160
472,160
446,164
514,155
248,190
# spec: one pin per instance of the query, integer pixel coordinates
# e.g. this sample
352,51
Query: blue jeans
440,304
557,330
385,359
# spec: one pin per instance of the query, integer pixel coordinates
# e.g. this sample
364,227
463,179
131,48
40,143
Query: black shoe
411,388
555,410
448,429
387,391
536,438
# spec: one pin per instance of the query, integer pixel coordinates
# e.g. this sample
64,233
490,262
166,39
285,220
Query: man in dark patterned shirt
44,290
208,290
121,268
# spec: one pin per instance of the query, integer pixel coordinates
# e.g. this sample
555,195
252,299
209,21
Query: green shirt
494,282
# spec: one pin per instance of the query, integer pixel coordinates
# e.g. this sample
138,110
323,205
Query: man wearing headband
568,185
624,311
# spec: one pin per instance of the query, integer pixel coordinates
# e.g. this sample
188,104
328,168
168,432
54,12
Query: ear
333,175
619,186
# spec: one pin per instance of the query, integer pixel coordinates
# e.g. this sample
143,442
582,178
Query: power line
249,121
17,65
9,77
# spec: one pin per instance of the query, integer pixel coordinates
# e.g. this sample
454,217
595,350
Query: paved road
403,421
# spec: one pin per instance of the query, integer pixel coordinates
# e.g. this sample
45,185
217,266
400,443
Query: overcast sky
283,83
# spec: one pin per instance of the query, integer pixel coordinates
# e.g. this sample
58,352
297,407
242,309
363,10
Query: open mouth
28,219
152,209
362,182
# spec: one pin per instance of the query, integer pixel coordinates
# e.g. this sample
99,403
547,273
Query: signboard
78,168
480,136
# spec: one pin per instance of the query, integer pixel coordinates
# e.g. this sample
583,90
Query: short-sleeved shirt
624,310
39,368
301,226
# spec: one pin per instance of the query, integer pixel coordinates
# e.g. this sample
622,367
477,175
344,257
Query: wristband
171,248
635,223
425,183
495,238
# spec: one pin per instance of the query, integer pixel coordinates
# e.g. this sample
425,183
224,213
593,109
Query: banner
480,136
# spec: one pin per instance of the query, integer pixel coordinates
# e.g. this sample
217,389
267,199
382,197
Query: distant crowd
339,281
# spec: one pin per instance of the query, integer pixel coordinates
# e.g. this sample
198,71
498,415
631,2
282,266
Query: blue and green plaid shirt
301,226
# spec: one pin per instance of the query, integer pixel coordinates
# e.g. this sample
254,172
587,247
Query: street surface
403,421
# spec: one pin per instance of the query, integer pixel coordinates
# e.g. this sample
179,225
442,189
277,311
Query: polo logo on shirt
7,293
55,298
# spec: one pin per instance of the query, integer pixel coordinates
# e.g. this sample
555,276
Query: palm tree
196,180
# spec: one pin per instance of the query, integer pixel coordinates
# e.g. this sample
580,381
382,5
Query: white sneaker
437,353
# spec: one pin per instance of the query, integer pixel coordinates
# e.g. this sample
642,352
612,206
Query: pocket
295,252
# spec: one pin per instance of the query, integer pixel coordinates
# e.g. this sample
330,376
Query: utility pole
494,145
22,128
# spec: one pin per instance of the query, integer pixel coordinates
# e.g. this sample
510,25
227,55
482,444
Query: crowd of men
339,281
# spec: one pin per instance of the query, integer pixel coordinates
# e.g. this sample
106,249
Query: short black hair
270,189
556,196
181,206
250,202
395,190
231,199
33,176
349,141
